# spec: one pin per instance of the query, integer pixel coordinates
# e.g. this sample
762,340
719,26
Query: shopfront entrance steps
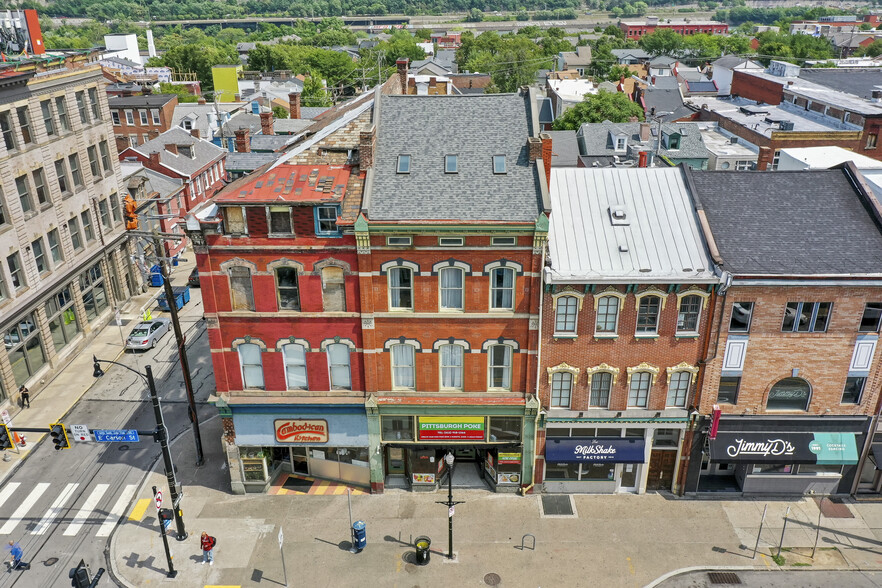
302,485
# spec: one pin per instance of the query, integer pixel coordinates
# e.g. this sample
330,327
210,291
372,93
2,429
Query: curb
693,569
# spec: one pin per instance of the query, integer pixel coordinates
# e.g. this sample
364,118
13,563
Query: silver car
147,333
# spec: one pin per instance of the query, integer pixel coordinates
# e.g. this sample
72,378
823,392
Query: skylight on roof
403,164
499,164
451,165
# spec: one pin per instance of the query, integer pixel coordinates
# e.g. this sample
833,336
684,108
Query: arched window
690,310
252,365
502,288
601,385
499,361
789,394
638,392
678,388
647,315
607,314
451,366
295,366
561,389
451,282
333,289
338,366
403,366
241,292
401,288
565,316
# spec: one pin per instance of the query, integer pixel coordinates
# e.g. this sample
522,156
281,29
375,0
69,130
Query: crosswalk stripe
7,491
139,510
55,509
117,511
23,508
88,506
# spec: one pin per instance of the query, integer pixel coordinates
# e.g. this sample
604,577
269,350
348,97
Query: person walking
208,543
17,553
25,396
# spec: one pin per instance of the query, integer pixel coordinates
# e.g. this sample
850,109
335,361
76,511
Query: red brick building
138,119
793,363
629,292
635,30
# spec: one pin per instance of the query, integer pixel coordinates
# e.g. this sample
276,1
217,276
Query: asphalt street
61,506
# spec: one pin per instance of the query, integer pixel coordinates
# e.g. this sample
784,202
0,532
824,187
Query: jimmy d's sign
301,431
785,448
451,429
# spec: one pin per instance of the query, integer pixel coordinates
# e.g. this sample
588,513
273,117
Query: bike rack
524,540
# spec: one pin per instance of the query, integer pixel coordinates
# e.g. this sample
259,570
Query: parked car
147,333
193,280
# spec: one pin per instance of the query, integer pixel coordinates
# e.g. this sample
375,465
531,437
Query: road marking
117,511
55,509
7,492
23,508
83,515
140,509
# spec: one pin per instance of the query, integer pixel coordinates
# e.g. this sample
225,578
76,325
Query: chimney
171,148
237,97
294,104
366,143
195,133
643,159
201,101
154,159
243,145
402,73
645,132
266,123
534,148
546,155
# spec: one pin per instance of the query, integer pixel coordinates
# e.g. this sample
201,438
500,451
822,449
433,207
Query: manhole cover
492,579
557,504
51,561
723,578
123,448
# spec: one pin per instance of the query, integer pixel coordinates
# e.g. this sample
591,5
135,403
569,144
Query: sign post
282,553
157,498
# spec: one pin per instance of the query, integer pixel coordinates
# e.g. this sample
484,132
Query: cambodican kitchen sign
301,431
595,449
468,428
784,448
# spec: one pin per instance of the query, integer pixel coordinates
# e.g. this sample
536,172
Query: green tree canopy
594,108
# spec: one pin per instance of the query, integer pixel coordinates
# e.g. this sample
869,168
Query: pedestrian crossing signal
59,436
131,213
5,438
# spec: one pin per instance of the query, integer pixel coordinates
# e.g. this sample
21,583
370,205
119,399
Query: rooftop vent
733,140
618,215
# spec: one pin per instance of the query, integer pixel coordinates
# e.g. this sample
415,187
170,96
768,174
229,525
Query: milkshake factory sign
594,450
451,428
784,448
301,431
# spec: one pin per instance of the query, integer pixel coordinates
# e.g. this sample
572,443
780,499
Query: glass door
629,476
395,461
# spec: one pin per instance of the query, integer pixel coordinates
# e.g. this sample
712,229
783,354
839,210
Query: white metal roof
823,158
658,241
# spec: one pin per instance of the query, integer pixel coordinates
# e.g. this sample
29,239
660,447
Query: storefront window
63,324
557,432
397,428
665,438
598,471
505,429
819,468
562,471
772,468
94,293
789,394
25,349
353,455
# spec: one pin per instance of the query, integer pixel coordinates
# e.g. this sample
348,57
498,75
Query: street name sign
116,435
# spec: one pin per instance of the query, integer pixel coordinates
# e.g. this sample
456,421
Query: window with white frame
154,114
601,385
451,366
742,312
451,280
678,389
607,315
690,311
502,288
647,315
565,315
403,366
871,319
561,389
252,365
338,366
295,366
499,360
130,117
400,288
638,392
143,116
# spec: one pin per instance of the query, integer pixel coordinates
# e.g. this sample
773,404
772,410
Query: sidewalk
53,400
613,540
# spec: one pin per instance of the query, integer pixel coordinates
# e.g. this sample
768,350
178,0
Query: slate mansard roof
791,222
474,128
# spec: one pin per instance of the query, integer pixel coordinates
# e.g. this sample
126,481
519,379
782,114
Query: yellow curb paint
631,566
765,560
139,510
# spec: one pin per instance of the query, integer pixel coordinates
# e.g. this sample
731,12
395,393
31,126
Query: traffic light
131,213
5,437
59,436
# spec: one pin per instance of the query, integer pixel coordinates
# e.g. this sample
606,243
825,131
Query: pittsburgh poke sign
301,431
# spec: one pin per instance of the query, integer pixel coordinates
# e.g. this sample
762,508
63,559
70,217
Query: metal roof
657,241
292,183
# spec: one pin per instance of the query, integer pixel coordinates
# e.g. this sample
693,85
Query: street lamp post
161,436
449,459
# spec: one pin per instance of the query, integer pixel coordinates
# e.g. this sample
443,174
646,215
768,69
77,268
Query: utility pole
182,350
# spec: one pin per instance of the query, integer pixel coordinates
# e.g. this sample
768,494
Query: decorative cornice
563,368
589,372
643,367
683,367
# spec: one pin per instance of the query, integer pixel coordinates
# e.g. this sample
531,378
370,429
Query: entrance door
661,469
395,459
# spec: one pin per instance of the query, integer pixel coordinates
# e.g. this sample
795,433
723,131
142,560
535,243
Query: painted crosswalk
72,508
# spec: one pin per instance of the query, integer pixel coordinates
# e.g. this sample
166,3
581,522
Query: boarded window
240,288
333,289
234,219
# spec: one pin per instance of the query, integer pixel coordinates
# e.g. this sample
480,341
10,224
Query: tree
314,92
663,42
874,49
279,112
594,108
183,95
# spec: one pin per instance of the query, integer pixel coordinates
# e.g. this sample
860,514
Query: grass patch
801,564
778,559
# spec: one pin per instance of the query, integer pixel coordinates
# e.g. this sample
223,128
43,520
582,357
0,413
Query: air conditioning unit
786,125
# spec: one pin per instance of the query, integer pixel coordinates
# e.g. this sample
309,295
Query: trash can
422,544
359,536
155,276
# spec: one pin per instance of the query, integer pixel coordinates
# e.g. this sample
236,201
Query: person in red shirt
208,543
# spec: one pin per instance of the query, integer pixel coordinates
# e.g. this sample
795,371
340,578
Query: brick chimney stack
294,104
534,148
243,145
645,131
266,123
546,155
366,143
171,148
154,159
195,133
402,73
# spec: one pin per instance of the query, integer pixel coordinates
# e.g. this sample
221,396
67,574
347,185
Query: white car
147,333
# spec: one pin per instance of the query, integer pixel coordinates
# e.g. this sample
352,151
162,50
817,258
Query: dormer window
186,150
499,164
451,164
671,141
187,124
403,164
621,143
